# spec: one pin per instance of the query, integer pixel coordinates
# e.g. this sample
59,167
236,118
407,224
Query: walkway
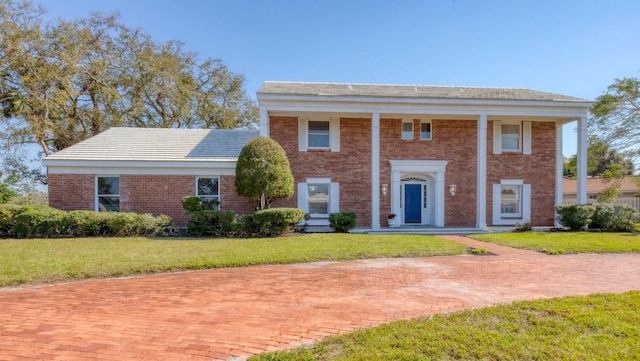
228,314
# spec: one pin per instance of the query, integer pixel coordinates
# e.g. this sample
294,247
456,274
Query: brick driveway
231,313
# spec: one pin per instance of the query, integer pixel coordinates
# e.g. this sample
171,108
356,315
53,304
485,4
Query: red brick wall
71,191
351,167
155,194
537,169
452,140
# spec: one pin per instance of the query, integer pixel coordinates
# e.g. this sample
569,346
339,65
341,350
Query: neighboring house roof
410,91
598,184
158,144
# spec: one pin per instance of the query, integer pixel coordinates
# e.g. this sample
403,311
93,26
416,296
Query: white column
264,122
559,167
375,171
582,161
481,202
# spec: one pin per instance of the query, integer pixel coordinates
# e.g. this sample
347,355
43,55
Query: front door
412,206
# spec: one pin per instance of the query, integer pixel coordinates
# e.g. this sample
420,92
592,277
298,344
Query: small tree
263,172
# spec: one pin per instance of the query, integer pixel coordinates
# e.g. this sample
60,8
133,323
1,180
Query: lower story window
318,198
511,202
208,189
108,194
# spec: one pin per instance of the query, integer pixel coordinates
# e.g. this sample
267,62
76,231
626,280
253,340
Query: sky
570,47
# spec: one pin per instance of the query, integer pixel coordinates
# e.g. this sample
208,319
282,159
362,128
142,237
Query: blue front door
412,206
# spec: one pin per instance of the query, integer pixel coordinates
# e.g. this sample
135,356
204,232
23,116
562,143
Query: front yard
26,261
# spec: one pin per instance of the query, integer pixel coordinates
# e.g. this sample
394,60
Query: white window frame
205,196
98,195
430,129
406,135
334,133
334,199
524,141
524,214
517,136
323,133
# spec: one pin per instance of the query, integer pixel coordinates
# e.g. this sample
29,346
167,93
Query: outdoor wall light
452,189
385,189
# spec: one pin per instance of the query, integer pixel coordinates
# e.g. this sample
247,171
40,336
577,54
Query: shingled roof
410,91
159,144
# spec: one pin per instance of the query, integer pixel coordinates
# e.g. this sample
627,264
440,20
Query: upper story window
512,137
108,194
407,130
425,130
319,134
208,189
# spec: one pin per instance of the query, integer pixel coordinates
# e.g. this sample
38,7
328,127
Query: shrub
214,223
87,223
523,227
273,221
342,222
40,222
614,218
193,204
575,217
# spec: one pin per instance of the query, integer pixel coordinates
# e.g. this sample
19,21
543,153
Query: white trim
519,149
334,134
426,121
497,137
334,198
375,171
526,137
303,133
481,198
407,121
131,169
433,168
96,196
559,169
525,203
264,122
581,191
318,180
303,197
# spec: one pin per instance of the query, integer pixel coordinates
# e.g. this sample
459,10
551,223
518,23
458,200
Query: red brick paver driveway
231,313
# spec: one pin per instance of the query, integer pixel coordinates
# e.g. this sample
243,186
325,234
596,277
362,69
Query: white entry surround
433,168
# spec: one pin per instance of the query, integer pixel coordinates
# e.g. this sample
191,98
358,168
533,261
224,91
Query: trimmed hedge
214,223
46,222
273,221
342,222
607,217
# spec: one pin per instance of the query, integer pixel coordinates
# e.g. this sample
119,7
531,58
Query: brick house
431,156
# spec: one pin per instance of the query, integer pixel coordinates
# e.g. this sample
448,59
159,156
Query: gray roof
159,144
410,91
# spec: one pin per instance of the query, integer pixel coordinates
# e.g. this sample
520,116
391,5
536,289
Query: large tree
602,161
616,116
64,81
263,172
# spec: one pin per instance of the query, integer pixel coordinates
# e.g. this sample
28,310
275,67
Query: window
318,198
318,134
510,137
425,130
108,194
511,202
208,189
407,130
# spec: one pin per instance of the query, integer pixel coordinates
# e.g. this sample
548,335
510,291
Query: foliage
263,172
595,327
342,222
614,218
616,115
65,80
42,221
570,242
193,204
214,223
274,221
524,227
6,193
43,260
576,217
602,160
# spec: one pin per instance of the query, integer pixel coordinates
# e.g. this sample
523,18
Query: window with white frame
319,197
512,137
425,130
407,130
208,189
108,194
319,134
511,202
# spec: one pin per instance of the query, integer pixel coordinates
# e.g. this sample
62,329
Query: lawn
54,260
567,242
596,327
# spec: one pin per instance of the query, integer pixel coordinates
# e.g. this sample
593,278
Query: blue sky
572,47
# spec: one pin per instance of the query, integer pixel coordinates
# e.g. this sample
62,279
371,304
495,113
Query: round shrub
575,217
342,222
214,223
614,218
273,221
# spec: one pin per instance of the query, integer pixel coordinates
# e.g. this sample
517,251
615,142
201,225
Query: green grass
567,242
596,327
53,260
